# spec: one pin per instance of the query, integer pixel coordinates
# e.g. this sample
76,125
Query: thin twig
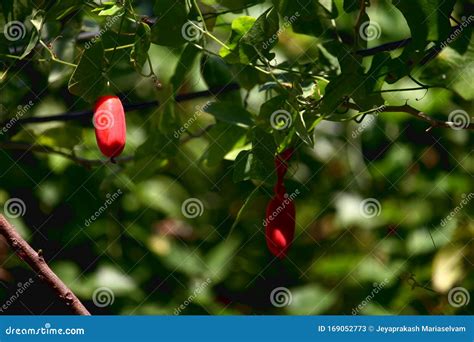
416,113
88,163
39,265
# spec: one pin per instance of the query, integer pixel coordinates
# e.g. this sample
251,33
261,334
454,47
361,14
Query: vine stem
36,261
232,87
54,58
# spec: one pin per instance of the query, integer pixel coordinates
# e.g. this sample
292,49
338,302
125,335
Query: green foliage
88,79
238,82
139,53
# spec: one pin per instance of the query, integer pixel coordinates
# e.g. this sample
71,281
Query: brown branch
414,112
39,265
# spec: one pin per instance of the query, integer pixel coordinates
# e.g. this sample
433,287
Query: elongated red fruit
110,126
280,224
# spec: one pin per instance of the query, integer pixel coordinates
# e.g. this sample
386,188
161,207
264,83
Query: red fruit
110,127
281,163
280,224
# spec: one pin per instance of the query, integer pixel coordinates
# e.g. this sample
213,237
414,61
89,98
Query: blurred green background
142,255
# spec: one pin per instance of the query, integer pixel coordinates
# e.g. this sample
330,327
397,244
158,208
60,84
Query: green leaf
61,9
351,5
243,208
311,299
252,38
341,87
219,259
139,53
114,10
301,129
217,73
262,36
184,66
240,27
172,17
88,81
428,19
36,20
453,70
229,112
310,16
257,163
185,260
60,136
236,5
